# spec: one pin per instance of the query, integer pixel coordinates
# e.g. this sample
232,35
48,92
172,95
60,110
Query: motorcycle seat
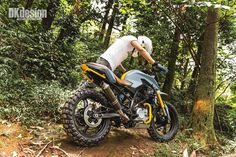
109,74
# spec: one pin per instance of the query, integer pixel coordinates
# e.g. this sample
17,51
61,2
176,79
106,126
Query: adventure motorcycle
135,100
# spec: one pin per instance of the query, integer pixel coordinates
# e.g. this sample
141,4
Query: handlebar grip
160,68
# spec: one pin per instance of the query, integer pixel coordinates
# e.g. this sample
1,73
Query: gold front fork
150,116
158,93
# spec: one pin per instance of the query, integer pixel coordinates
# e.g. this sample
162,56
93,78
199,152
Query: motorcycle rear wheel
85,130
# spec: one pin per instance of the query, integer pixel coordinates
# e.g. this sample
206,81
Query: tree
195,73
105,19
111,24
70,28
51,10
172,62
203,110
173,53
29,3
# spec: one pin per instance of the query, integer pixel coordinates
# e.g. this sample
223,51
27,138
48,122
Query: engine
142,114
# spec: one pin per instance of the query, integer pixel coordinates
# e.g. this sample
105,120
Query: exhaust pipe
109,93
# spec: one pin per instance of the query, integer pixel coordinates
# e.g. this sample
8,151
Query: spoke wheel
161,129
78,120
83,118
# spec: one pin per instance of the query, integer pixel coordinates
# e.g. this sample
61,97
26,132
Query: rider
119,51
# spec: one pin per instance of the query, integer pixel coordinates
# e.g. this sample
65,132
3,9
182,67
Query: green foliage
34,66
36,56
225,119
233,88
176,147
38,64
30,101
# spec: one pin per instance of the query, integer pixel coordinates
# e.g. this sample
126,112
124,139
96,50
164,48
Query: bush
36,55
30,101
225,119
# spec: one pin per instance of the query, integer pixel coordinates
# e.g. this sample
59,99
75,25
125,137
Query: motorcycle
134,100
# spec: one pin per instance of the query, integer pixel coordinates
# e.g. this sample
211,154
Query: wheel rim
162,125
86,125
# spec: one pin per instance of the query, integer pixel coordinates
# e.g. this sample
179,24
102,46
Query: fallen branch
21,147
56,147
37,143
81,152
41,151
229,155
26,150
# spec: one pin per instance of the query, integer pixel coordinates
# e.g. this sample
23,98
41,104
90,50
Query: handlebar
160,68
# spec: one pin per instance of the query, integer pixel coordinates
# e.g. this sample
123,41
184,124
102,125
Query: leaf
185,153
19,136
4,121
208,4
14,154
123,11
6,134
225,7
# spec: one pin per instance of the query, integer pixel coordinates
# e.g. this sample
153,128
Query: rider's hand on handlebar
159,68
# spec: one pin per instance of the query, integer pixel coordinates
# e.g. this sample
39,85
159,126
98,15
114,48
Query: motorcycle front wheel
161,128
78,120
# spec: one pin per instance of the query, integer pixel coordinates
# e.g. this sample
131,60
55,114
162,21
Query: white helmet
146,43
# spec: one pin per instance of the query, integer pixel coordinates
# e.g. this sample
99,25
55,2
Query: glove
155,66
159,68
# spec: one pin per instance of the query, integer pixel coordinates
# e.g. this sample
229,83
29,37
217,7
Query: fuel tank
138,77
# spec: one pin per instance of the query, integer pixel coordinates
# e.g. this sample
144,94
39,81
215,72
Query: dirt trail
12,136
51,141
21,142
120,142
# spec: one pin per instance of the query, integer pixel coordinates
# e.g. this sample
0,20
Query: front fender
164,96
162,93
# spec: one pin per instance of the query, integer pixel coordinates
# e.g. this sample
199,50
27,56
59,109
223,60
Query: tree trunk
29,3
173,54
111,24
185,74
124,25
195,73
67,30
154,7
51,12
171,63
203,110
105,20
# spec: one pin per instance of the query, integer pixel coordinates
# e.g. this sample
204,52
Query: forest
40,63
